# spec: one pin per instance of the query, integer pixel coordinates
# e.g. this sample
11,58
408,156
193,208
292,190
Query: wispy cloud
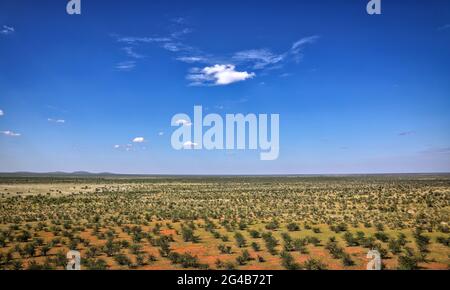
214,69
137,40
127,147
444,27
258,58
58,121
5,30
126,65
178,20
192,59
131,53
10,133
436,150
218,75
299,45
1,113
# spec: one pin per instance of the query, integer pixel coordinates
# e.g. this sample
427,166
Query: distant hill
58,174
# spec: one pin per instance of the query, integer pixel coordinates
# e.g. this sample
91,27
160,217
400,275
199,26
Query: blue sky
355,93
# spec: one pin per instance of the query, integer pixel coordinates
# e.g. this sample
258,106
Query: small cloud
192,59
189,145
406,133
172,47
444,27
136,40
178,20
219,74
126,65
161,134
5,30
58,121
182,32
131,53
436,150
1,113
127,147
285,75
139,140
10,133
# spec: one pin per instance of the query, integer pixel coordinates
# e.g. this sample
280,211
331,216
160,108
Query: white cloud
219,74
160,133
192,59
179,34
126,65
297,46
131,53
1,113
10,133
217,69
172,47
139,140
5,30
116,146
444,27
135,40
58,121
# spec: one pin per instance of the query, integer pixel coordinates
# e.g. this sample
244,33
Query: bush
95,264
288,242
224,249
188,235
382,236
272,225
240,240
186,260
122,260
339,228
300,246
256,247
255,234
293,227
271,243
443,240
288,261
313,264
406,262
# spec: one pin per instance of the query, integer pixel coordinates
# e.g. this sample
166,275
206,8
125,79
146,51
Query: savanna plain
229,222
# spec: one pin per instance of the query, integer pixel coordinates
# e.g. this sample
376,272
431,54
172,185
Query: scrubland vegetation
225,222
